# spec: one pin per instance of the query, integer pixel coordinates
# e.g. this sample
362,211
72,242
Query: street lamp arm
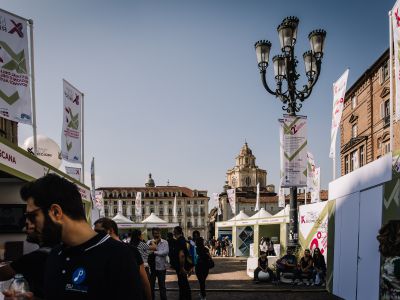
307,89
265,84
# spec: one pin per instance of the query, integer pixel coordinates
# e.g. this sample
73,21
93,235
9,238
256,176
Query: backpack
191,256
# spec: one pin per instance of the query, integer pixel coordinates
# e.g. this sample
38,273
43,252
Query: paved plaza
228,280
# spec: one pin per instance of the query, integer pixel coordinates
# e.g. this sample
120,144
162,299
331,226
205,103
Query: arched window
248,181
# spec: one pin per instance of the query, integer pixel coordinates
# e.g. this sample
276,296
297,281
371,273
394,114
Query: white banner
310,171
316,186
138,204
396,40
71,137
174,209
258,198
339,90
213,201
293,146
15,93
281,199
74,172
232,199
313,227
98,200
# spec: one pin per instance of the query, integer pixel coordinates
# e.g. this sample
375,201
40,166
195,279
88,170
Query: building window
362,156
354,102
202,202
354,131
105,202
161,212
202,210
384,75
179,202
188,210
385,112
115,211
170,202
248,181
188,202
106,211
143,211
195,201
170,211
386,147
151,209
161,203
353,160
346,164
115,202
123,202
151,202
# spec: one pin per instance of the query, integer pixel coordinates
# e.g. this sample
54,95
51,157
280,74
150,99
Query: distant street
228,280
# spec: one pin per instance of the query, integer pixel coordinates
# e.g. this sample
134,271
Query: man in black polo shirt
88,265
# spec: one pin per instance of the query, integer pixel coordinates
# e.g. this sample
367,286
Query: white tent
262,213
283,212
154,221
124,222
240,216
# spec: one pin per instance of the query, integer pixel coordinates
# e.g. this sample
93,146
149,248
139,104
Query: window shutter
382,111
381,75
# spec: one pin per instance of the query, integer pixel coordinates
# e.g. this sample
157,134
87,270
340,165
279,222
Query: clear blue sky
173,88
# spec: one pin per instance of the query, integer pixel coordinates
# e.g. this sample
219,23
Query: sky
172,88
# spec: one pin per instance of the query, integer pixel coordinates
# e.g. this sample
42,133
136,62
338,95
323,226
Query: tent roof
153,219
120,219
262,213
240,216
283,212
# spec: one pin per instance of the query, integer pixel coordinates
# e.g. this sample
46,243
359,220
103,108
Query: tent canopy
153,219
262,213
240,216
283,212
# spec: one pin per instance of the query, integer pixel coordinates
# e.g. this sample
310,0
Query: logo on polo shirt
79,276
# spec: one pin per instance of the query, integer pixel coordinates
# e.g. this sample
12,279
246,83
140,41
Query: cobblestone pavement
229,280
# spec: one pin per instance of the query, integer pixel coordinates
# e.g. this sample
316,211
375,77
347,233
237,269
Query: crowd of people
311,268
76,261
220,247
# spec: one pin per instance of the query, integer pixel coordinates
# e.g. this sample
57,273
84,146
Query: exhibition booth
17,167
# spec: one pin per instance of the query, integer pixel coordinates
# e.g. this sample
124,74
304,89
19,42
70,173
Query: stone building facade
366,118
192,205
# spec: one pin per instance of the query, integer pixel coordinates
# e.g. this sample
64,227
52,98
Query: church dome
150,182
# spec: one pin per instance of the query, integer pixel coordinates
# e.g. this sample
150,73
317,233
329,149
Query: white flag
138,204
339,90
15,93
232,199
174,209
99,202
213,201
293,144
310,171
258,198
281,199
71,137
74,172
317,186
396,40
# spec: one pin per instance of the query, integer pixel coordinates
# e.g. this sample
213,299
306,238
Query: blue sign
79,276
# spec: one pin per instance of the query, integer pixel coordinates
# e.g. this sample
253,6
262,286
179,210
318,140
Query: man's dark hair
53,189
155,229
196,234
107,224
178,230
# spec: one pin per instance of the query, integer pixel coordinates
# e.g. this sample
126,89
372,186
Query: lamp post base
293,234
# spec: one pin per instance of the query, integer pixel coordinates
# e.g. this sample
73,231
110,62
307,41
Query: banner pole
334,166
33,89
391,79
83,140
305,196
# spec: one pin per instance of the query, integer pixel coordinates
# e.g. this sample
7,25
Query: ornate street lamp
286,77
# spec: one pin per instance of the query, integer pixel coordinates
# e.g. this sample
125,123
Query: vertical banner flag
232,199
99,202
74,172
15,94
310,171
258,198
316,186
281,199
71,137
174,209
213,201
92,178
293,144
339,90
138,204
396,41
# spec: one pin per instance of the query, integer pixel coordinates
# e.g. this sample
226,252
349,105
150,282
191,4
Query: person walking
202,266
144,249
158,271
182,263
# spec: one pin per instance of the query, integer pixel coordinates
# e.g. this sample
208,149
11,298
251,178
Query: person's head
106,225
263,254
178,232
267,239
199,242
317,251
53,203
190,238
289,251
307,253
156,233
196,235
136,236
170,235
389,239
